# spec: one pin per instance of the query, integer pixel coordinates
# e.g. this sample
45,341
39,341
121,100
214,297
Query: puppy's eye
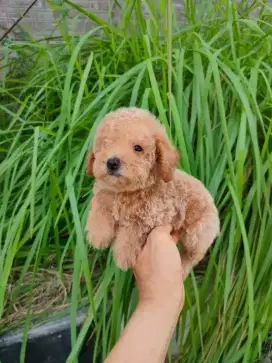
138,148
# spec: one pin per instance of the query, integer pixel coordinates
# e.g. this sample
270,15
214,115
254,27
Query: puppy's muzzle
113,166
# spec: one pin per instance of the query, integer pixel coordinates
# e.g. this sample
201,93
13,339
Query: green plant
208,79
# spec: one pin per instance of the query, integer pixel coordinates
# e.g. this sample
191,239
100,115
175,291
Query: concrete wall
41,20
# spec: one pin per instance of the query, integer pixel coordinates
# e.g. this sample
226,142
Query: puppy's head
131,151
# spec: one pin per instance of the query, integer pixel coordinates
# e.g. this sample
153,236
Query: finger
92,202
139,260
175,237
154,235
165,230
169,230
162,229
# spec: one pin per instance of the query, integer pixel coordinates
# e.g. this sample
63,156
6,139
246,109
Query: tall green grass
208,79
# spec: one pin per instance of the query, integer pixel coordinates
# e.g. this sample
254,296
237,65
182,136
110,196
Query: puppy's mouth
116,174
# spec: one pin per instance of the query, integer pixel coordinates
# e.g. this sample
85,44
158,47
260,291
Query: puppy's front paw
125,256
99,232
99,239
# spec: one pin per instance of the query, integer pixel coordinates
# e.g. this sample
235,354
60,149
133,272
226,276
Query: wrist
172,304
164,314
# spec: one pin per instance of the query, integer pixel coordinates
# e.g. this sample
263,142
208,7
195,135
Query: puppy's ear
89,166
167,158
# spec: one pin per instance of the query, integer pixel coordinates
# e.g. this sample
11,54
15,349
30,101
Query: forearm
147,335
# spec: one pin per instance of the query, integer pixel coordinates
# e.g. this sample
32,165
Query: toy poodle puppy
138,188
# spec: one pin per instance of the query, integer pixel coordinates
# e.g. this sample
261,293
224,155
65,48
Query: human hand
158,270
158,273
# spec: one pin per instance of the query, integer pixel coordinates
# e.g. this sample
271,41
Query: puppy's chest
150,209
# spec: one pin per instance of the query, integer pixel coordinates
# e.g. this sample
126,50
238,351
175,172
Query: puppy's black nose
113,164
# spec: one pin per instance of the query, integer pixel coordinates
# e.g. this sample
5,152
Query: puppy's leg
196,239
127,246
100,227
